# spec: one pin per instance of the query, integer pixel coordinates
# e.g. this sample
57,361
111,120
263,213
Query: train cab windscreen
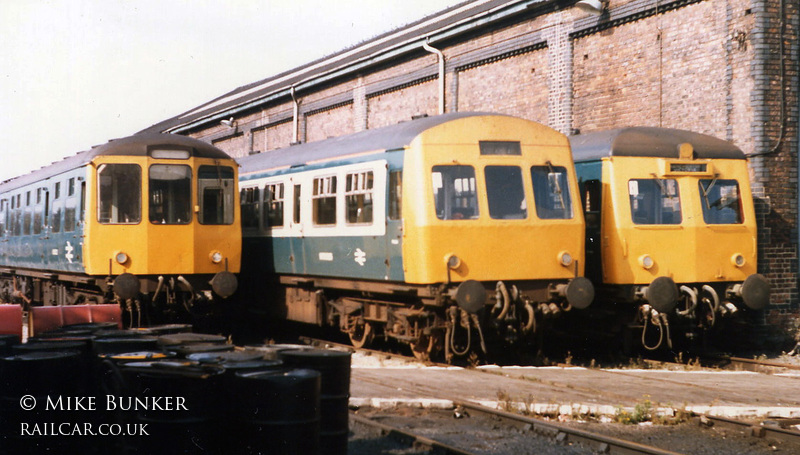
551,192
654,201
454,192
170,194
215,194
506,193
720,201
118,194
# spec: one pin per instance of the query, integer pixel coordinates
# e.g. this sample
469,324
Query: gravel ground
485,435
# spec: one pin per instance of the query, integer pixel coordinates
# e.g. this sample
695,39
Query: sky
77,73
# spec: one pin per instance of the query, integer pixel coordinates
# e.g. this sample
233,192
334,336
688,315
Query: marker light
121,257
738,260
216,257
453,261
565,258
646,261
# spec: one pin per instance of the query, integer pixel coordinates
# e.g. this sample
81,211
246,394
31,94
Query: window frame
498,201
448,210
268,201
659,190
540,200
364,181
324,188
704,201
73,203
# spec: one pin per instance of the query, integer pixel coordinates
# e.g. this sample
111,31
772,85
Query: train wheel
426,347
361,334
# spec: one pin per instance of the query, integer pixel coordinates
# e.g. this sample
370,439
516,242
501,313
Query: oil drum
188,349
108,376
92,327
334,368
122,333
182,339
38,392
177,401
81,345
277,412
170,329
6,343
119,345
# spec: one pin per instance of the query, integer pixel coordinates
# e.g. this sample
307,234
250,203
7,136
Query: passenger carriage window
69,215
27,219
71,182
551,192
118,196
454,192
273,201
395,195
16,221
38,213
358,197
170,194
249,202
505,192
3,216
215,194
655,201
57,191
323,199
56,219
296,209
82,213
721,201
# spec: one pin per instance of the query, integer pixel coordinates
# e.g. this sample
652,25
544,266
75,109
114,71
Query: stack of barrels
168,390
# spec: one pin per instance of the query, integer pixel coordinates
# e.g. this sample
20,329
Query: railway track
766,429
558,433
510,433
755,365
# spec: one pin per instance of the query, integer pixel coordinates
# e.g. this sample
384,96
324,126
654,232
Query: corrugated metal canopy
380,139
386,47
136,145
651,142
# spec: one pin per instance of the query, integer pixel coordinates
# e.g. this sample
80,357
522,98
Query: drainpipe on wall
439,53
295,116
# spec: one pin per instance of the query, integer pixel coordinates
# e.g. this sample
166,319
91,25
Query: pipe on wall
295,116
439,53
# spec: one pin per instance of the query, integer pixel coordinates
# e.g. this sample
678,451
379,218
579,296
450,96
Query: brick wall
711,66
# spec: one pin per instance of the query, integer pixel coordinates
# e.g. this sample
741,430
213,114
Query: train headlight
646,261
121,257
738,260
216,257
565,258
453,261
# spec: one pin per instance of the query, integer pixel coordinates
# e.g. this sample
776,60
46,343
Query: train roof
649,142
136,145
379,140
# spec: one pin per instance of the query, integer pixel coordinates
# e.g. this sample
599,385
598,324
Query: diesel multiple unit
140,220
445,233
670,229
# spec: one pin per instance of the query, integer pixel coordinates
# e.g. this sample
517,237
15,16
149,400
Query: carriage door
47,230
394,216
297,255
591,195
